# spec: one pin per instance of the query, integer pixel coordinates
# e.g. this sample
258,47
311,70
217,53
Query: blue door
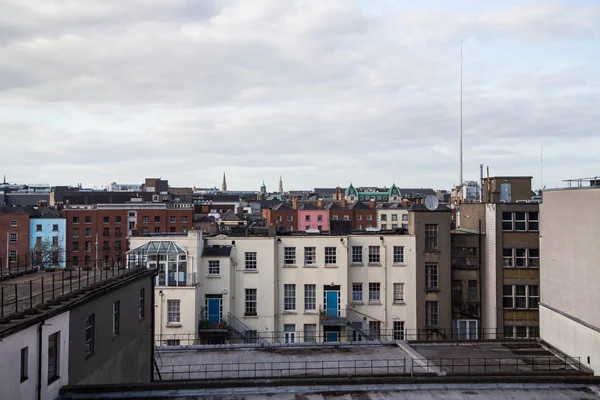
332,337
332,304
214,310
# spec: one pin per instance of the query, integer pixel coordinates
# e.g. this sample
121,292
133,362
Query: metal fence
7,273
498,366
283,369
49,289
346,334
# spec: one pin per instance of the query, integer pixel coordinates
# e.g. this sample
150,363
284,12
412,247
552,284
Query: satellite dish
431,202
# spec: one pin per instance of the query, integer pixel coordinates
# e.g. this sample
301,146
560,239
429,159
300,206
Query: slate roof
281,206
230,216
358,205
332,206
421,207
307,207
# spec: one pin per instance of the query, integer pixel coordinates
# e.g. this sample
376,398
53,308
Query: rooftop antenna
460,141
541,164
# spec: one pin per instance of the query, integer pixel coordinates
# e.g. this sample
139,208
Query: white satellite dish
431,202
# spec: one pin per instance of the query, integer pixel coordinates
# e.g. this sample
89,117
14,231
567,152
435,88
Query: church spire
224,184
280,184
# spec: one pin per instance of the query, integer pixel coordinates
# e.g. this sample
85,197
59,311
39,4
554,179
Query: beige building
391,216
569,312
510,274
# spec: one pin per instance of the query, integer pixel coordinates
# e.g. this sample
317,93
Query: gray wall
569,252
125,358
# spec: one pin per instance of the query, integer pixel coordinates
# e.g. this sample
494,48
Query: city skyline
361,92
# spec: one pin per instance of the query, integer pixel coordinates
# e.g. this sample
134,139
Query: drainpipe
479,270
152,319
385,301
277,316
39,371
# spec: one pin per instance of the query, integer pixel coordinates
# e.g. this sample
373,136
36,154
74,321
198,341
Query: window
88,220
398,330
533,223
290,333
330,255
14,237
214,267
307,227
117,231
55,241
116,318
334,217
24,364
307,218
520,221
472,290
278,218
320,227
310,333
145,219
357,292
105,232
76,232
289,256
144,230
398,292
520,258
404,217
310,256
90,327
75,220
38,241
508,257
374,257
533,258
357,254
374,292
319,218
521,296
184,220
251,298
398,254
14,223
173,342
12,256
173,311
431,276
38,228
118,219
131,225
157,219
142,305
369,217
53,356
346,218
88,232
290,218
289,297
507,221
394,217
359,217
374,330
432,317
310,297
533,296
131,213
383,227
172,220
105,219
75,261
251,260
431,236
384,217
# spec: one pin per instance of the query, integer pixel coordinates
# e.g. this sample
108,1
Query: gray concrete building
569,312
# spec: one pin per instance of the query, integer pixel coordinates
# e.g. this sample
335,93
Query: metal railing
284,369
7,273
498,366
51,288
244,332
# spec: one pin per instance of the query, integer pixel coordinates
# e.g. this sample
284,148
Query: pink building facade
310,217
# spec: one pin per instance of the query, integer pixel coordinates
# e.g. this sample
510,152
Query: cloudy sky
321,92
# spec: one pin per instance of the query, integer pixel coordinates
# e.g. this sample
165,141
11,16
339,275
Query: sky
323,93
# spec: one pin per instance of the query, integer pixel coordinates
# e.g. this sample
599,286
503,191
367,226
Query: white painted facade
11,386
392,218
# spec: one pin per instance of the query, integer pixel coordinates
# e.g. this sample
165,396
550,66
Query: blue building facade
48,232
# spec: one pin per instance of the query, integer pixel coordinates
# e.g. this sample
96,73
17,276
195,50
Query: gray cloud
318,91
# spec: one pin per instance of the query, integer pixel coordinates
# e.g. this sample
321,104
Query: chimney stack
344,203
294,203
320,203
372,204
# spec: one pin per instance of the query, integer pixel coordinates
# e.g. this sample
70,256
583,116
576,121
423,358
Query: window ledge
311,266
399,265
213,276
374,303
400,303
430,289
251,271
434,251
331,266
291,312
357,265
290,266
54,378
173,325
374,264
311,312
251,316
89,355
358,302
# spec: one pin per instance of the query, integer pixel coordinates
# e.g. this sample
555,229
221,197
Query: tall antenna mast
460,141
541,165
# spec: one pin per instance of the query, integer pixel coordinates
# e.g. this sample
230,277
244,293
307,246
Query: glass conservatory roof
159,247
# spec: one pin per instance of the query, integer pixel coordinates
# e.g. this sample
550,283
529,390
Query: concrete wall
125,358
490,272
11,386
571,337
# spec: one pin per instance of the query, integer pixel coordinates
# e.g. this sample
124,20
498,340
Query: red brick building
98,235
14,236
363,216
282,215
